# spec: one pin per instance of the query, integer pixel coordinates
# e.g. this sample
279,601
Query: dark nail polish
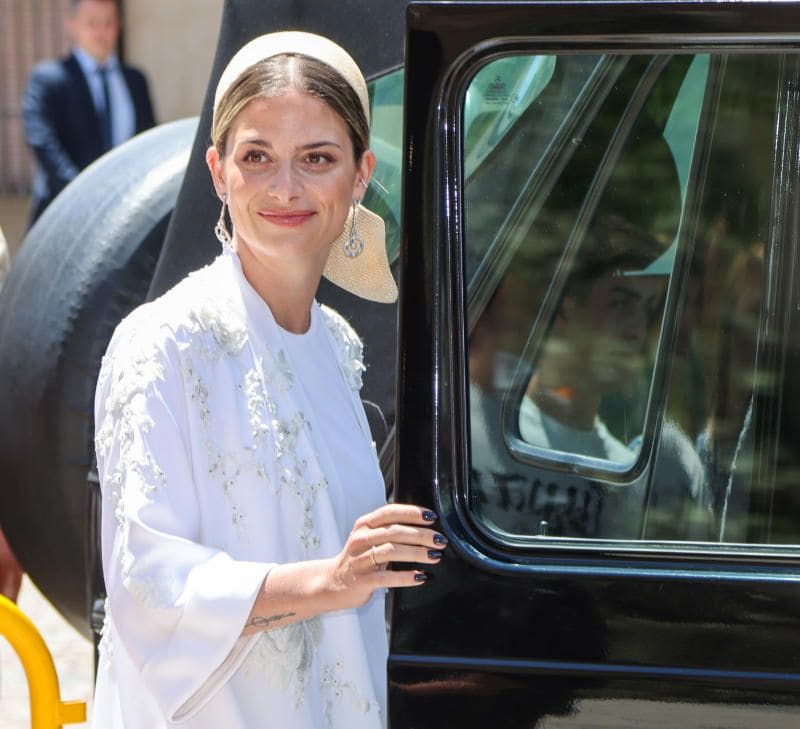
420,577
434,554
440,539
429,515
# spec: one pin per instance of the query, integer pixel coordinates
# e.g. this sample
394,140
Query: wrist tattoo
259,621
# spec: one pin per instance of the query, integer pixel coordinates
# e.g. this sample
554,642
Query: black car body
639,568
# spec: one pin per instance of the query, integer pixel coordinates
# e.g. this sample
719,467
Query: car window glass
614,302
497,96
680,131
386,139
494,102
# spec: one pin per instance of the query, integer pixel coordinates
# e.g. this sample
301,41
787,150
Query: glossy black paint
506,637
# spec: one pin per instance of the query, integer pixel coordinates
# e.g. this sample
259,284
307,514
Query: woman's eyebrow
259,142
324,143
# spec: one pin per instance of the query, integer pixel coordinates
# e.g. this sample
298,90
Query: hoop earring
354,243
221,229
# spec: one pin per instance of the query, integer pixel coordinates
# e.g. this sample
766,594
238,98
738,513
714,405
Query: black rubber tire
85,264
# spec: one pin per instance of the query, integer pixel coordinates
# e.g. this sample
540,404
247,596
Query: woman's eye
318,158
255,155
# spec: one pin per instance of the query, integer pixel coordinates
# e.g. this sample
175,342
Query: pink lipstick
287,218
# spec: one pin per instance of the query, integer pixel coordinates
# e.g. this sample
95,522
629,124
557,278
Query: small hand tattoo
262,622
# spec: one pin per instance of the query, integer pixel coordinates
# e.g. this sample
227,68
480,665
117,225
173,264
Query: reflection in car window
588,417
719,390
496,98
598,344
386,140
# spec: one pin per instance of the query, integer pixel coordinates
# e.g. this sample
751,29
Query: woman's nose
284,184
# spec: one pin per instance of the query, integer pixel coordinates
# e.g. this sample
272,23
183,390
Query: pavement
72,655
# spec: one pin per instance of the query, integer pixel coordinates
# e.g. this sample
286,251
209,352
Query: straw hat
366,274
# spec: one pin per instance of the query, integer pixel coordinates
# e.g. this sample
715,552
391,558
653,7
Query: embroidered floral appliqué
277,372
287,432
197,390
285,656
306,491
337,690
350,350
127,375
220,316
294,476
258,409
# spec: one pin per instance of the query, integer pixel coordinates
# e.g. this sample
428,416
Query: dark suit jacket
62,127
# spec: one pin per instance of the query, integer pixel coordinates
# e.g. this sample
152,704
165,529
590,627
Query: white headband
307,44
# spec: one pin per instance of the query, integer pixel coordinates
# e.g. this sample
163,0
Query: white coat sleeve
178,606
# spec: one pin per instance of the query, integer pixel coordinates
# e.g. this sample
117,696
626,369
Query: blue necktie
104,114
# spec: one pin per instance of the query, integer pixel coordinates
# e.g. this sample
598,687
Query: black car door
598,365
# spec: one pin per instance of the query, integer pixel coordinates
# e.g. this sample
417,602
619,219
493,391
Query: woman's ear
364,170
215,168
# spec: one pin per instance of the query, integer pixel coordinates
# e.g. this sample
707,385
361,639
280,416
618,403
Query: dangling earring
354,243
221,229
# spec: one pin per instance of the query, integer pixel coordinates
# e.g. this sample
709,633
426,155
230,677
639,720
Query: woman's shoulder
349,347
338,325
201,308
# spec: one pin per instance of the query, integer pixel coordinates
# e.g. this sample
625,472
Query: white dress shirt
123,114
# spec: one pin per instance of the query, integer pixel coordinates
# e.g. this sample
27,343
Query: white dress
227,445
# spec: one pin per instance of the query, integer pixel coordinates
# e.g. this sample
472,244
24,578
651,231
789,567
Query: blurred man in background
77,108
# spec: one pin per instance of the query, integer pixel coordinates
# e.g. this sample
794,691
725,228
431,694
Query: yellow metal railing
48,711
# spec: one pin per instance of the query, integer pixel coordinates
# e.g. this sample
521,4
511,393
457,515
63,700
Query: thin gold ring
372,554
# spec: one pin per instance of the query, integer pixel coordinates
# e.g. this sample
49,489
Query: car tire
83,266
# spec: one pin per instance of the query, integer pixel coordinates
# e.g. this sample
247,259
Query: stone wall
174,44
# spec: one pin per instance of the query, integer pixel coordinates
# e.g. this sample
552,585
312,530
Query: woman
245,531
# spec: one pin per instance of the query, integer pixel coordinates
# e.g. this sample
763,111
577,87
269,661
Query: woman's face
290,179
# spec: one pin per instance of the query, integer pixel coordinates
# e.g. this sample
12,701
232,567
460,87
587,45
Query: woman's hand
300,590
392,533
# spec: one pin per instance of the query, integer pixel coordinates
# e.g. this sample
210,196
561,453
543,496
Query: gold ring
372,554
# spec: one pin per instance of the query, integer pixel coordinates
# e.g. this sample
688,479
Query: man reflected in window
598,345
583,393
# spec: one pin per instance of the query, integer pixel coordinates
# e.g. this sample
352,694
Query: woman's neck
288,290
